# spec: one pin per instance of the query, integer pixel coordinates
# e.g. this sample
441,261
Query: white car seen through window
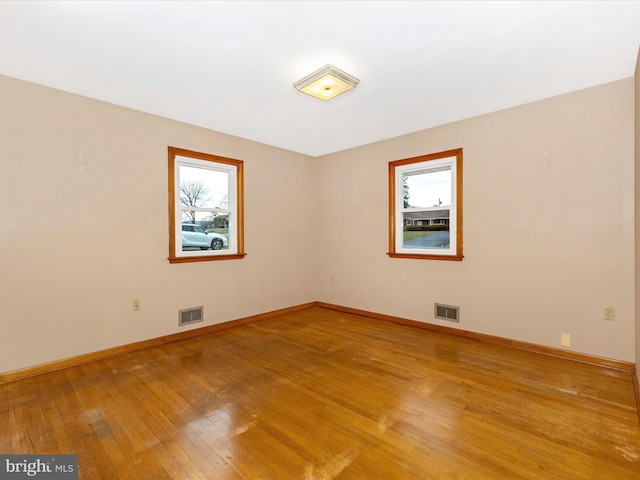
196,236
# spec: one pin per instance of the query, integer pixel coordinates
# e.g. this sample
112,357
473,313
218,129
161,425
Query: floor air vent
447,312
190,315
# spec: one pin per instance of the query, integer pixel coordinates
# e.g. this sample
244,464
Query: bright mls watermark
49,467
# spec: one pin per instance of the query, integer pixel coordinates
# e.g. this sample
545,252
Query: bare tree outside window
193,194
224,202
218,219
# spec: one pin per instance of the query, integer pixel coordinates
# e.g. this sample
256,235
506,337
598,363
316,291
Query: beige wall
548,205
83,189
548,225
637,210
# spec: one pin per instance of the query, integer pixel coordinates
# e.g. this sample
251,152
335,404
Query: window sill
416,256
208,258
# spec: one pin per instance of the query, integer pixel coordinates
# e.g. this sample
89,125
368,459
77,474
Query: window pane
427,188
426,229
200,187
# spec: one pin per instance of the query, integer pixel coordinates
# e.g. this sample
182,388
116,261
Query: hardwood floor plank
5,419
183,459
320,394
170,414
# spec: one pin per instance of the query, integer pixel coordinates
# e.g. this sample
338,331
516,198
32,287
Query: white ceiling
230,66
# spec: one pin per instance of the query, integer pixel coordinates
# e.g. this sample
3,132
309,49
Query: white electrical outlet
608,313
136,304
565,340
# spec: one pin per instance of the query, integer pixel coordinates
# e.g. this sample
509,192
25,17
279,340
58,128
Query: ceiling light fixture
326,83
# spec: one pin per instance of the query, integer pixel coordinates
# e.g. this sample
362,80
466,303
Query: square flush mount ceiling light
326,83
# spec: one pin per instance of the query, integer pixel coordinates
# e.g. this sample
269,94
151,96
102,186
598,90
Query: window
425,206
205,207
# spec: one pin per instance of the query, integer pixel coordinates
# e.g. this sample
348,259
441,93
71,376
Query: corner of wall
637,218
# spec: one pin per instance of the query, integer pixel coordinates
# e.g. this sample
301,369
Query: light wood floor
320,395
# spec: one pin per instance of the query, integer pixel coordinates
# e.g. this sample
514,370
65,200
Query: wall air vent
190,315
447,312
